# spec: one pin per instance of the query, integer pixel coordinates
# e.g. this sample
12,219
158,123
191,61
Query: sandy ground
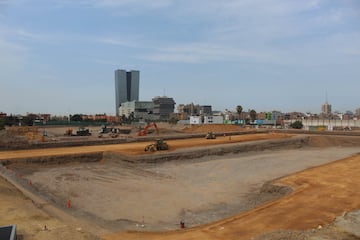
30,221
319,196
122,196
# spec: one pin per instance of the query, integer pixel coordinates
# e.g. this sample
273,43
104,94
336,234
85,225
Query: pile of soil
8,139
218,128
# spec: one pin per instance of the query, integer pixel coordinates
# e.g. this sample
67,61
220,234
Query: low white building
206,120
213,119
195,120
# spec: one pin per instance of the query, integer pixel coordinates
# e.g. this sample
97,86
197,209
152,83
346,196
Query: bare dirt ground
137,148
15,208
123,196
319,196
119,196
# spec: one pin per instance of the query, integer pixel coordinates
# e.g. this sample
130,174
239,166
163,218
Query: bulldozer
210,135
159,145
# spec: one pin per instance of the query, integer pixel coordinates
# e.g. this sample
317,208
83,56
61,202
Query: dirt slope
213,128
30,221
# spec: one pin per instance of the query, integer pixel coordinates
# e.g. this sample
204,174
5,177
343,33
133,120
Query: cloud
353,52
198,53
118,42
3,3
12,55
105,62
26,35
132,3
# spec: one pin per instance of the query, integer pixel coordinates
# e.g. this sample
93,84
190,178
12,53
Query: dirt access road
320,194
138,147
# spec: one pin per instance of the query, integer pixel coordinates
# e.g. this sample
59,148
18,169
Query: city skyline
59,56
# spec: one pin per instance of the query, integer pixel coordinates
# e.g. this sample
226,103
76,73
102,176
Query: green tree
11,120
252,115
297,125
76,117
268,116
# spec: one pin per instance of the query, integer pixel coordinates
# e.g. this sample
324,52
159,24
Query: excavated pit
156,192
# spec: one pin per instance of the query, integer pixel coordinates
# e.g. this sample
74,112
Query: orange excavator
145,130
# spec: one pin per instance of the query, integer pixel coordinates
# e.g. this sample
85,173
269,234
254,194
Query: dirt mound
219,128
9,139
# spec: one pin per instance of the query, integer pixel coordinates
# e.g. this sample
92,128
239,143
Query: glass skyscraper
126,87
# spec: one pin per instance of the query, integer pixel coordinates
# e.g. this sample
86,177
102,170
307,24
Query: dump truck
159,145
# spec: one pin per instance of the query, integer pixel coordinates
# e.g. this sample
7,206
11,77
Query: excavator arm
144,131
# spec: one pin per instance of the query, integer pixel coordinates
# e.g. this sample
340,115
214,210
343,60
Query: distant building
163,107
357,112
139,109
45,117
195,120
261,115
189,109
326,108
185,111
126,87
213,119
348,115
205,110
294,115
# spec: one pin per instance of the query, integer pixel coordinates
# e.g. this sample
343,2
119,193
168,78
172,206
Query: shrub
297,125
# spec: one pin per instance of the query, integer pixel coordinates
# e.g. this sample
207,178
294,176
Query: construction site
163,181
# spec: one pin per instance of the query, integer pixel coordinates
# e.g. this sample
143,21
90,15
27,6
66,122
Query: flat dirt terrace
137,148
119,196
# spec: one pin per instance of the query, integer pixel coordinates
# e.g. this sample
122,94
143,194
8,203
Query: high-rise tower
326,107
126,87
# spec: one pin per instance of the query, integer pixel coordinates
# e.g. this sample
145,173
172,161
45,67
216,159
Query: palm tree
239,109
253,115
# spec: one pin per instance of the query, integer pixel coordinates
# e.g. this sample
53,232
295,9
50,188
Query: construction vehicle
144,132
159,145
68,132
104,129
210,135
83,132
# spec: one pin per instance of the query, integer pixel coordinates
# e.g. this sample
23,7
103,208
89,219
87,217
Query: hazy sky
59,56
